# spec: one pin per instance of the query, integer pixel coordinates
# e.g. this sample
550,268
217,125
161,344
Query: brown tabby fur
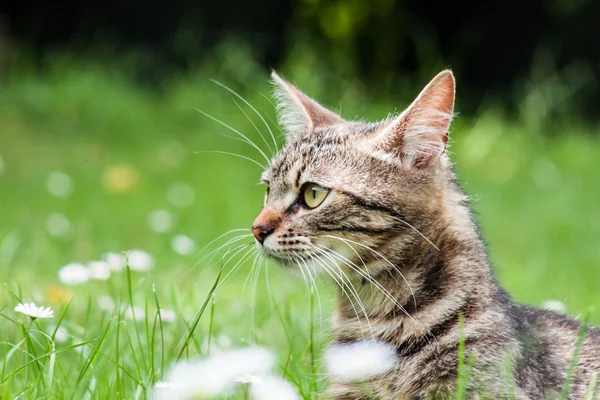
397,234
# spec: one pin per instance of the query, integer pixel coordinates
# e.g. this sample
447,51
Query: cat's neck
445,274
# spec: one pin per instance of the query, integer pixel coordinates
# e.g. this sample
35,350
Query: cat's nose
261,232
265,224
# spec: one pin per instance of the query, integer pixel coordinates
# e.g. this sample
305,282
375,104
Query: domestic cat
378,208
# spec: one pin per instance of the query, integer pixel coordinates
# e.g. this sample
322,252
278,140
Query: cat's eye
313,195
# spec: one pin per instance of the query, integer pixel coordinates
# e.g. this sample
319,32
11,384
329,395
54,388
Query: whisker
383,258
353,292
236,267
416,230
211,255
253,109
250,142
355,295
382,288
224,234
314,283
231,154
254,125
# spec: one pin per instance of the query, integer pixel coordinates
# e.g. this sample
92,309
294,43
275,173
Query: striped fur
397,235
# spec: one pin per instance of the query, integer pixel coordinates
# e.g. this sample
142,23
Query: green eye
313,195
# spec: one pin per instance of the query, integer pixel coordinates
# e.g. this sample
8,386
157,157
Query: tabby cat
377,207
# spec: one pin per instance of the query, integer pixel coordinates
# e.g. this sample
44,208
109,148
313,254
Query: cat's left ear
420,133
297,112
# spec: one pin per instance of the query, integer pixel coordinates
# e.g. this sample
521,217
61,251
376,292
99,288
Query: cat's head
340,192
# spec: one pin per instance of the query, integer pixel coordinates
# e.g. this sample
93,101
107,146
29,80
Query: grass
126,148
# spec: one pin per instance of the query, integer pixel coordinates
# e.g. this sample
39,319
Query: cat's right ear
298,113
419,134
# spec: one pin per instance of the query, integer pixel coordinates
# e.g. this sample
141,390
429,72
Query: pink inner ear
298,112
420,133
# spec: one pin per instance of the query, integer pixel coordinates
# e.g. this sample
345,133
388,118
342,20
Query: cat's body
385,218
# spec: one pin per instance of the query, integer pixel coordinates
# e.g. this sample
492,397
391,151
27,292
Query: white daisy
74,274
180,195
62,334
215,375
249,378
359,361
273,388
555,305
115,261
167,315
99,270
59,184
58,225
182,244
106,303
166,385
160,221
33,311
139,260
135,313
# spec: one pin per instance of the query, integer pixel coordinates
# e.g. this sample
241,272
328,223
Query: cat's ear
297,112
420,133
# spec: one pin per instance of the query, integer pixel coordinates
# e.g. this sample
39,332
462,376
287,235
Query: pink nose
265,224
261,232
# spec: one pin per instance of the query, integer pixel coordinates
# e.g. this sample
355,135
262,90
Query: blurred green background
100,152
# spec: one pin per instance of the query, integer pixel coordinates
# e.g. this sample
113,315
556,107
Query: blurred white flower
160,221
105,302
135,313
115,261
555,305
33,311
58,225
59,184
167,315
62,334
99,270
359,361
139,260
273,388
181,194
74,274
182,244
2,165
224,341
166,385
249,378
214,375
218,344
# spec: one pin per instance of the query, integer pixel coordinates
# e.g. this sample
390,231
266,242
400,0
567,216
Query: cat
378,208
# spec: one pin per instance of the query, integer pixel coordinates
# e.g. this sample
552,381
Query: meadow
92,163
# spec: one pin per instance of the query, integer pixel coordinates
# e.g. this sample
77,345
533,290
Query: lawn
92,164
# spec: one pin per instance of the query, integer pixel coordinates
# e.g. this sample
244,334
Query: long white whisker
231,154
250,142
416,230
314,283
235,268
352,289
253,109
379,286
383,258
224,234
254,125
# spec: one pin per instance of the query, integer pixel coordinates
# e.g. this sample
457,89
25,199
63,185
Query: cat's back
553,349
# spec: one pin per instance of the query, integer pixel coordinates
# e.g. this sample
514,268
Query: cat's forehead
317,147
